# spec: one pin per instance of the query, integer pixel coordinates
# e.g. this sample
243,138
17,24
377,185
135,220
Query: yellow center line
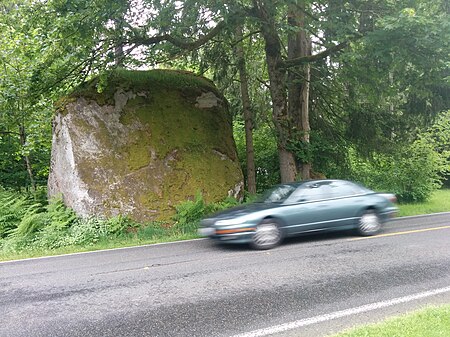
400,233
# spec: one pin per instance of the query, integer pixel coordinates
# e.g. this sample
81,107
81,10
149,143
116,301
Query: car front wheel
369,223
267,235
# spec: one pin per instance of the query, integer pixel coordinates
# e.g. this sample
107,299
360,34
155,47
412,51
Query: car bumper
235,235
389,213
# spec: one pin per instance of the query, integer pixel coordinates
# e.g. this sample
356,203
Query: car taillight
392,198
389,196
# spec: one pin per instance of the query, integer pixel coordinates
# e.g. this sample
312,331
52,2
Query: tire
369,223
267,235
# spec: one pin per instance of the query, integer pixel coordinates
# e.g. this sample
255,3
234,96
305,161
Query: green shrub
86,231
413,173
224,204
119,225
51,237
153,230
190,212
60,216
80,231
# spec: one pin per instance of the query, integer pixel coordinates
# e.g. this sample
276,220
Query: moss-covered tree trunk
299,45
278,77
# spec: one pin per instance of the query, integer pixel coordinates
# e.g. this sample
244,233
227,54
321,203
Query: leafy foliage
266,156
411,176
414,171
189,213
25,128
30,223
13,207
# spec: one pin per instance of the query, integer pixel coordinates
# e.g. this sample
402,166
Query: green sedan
297,208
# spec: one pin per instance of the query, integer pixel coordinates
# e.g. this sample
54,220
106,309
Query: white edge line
342,313
417,216
182,241
102,250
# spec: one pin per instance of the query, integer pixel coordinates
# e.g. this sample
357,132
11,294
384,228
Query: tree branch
313,58
320,56
179,42
264,83
246,36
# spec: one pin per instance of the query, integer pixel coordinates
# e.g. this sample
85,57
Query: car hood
242,210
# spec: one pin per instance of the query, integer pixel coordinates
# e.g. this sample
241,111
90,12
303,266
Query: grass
105,243
439,202
429,322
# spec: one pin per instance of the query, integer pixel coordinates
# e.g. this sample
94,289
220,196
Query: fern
33,220
190,211
60,216
120,224
12,208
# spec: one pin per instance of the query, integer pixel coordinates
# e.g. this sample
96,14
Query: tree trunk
247,112
118,49
288,169
26,159
119,24
299,44
305,127
277,77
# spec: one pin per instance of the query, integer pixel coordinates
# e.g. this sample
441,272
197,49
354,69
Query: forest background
354,89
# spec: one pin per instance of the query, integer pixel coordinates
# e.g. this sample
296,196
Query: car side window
299,195
344,189
318,192
323,191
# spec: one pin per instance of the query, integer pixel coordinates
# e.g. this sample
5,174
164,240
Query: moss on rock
146,142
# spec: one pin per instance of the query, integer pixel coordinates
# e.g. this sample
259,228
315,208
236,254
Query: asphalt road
309,286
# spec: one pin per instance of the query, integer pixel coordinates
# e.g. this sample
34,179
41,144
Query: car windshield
277,194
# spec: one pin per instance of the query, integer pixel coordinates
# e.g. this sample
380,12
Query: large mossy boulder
148,141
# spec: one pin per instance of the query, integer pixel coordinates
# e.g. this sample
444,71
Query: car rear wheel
267,235
369,223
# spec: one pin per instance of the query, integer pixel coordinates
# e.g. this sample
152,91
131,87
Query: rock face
147,142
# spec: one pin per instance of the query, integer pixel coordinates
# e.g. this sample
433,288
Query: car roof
313,181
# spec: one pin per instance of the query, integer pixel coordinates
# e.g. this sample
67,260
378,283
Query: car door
345,201
309,208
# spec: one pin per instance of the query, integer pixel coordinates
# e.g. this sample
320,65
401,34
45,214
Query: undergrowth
29,224
189,213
